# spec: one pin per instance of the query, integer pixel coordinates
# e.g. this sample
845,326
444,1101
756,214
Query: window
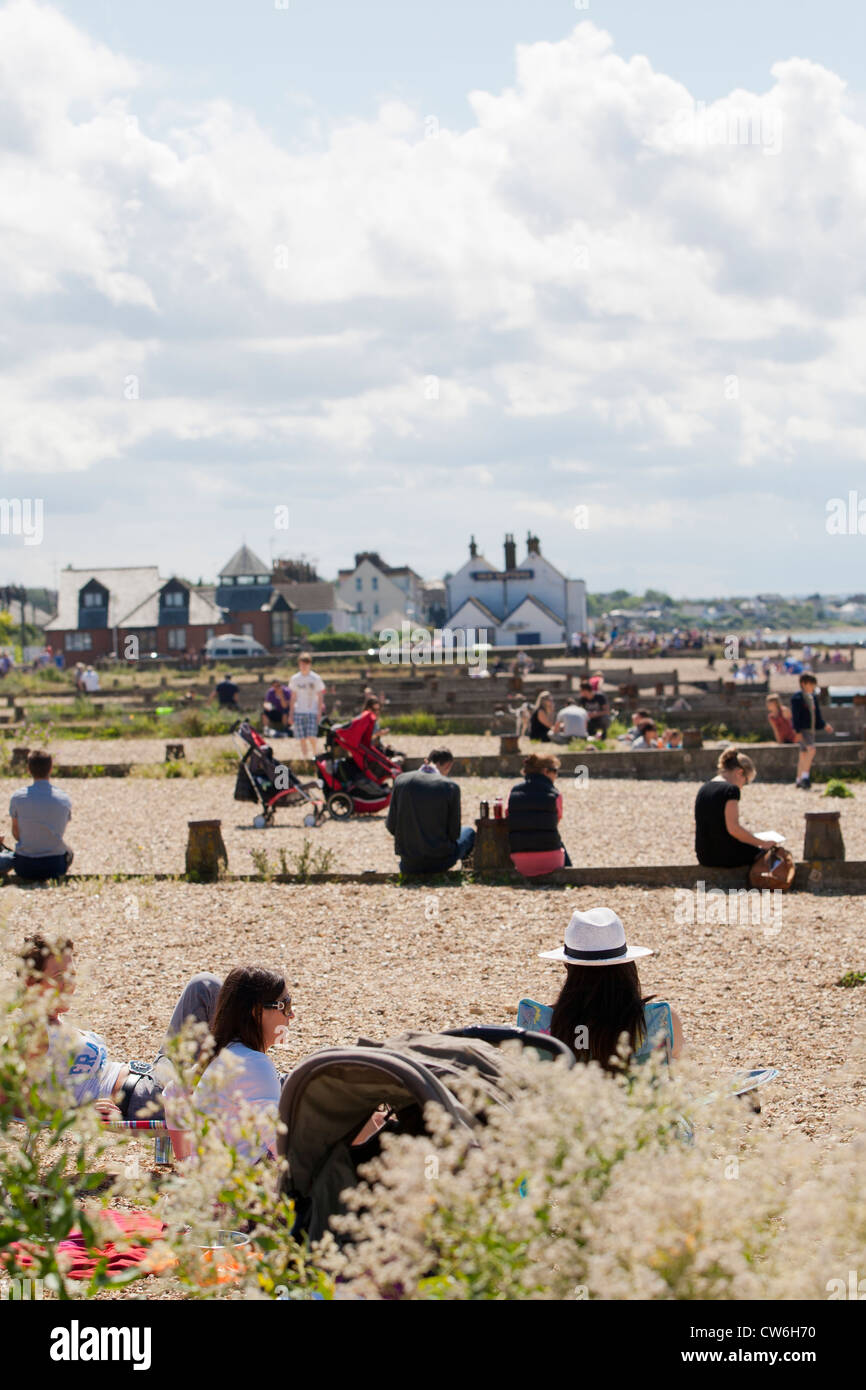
247,629
246,579
226,581
359,583
174,598
78,641
208,634
177,639
94,599
375,581
279,629
375,610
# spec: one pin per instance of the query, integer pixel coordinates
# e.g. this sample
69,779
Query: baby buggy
269,783
354,775
328,1101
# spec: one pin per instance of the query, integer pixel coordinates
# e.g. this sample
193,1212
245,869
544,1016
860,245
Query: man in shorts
807,719
306,703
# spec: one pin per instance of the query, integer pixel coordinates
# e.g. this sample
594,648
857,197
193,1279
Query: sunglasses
283,1006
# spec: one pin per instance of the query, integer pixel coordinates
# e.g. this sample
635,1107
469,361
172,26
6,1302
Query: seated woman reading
601,998
720,841
534,813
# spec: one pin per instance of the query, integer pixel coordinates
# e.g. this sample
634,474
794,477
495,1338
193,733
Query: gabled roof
481,607
318,597
127,587
244,561
203,612
531,561
530,598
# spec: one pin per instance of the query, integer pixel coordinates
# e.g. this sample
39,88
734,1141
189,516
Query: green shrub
852,978
836,787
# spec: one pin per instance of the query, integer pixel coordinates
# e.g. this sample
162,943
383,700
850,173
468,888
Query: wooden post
174,752
205,850
19,759
508,745
692,738
490,855
823,836
676,682
18,712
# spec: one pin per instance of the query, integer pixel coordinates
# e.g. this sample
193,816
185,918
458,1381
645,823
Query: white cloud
579,279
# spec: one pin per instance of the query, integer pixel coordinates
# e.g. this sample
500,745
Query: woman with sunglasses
252,1012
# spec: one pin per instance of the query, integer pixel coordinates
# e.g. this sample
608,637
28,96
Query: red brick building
99,609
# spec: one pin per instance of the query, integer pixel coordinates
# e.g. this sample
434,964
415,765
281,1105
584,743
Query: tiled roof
127,587
203,612
318,597
244,561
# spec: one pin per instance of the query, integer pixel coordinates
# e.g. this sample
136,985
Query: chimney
510,553
473,549
533,545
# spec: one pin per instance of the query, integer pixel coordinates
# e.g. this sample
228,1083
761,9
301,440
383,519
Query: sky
325,278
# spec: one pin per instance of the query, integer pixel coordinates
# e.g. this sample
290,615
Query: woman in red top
780,721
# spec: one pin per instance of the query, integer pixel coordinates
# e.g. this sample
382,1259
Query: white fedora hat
596,937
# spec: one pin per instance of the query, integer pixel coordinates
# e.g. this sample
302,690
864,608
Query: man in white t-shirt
306,702
90,680
571,723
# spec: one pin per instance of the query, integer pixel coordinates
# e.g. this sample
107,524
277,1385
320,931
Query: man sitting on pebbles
424,818
40,814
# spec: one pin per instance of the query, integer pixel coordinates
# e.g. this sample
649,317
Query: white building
518,605
378,592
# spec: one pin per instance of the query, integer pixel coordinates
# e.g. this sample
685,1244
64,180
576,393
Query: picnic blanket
136,1231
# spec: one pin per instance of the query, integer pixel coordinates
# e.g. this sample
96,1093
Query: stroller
354,775
269,783
329,1098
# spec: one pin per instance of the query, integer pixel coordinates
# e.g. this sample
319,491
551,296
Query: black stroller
269,783
329,1098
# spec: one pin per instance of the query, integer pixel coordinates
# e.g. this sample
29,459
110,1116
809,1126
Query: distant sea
842,637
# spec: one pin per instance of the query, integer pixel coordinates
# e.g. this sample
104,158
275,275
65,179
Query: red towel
80,1263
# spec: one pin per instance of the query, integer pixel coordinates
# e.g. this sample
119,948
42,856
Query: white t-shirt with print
305,689
81,1063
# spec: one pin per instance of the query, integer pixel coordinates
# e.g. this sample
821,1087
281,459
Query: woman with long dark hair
252,1011
601,998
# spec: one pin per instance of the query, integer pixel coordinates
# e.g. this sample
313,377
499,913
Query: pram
269,783
328,1099
355,776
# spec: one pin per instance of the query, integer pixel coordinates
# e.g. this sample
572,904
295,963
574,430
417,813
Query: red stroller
355,776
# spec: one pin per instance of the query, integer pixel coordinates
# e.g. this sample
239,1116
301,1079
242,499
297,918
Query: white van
232,644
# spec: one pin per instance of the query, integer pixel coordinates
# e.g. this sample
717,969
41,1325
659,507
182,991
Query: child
674,739
807,719
780,721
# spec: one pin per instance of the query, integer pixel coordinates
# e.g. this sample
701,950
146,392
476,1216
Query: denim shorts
807,738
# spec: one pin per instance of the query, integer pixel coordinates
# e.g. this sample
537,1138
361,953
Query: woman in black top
543,718
720,841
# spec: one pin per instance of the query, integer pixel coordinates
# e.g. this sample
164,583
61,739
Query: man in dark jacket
424,818
807,718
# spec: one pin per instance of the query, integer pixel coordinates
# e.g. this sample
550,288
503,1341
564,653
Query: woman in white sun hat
601,997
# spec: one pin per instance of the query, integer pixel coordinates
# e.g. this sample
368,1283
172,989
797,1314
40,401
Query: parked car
232,644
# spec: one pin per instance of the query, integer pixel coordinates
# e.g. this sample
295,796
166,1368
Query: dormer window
93,605
175,598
